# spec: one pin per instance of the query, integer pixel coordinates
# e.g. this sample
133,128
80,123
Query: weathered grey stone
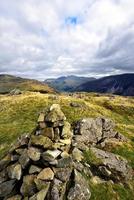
65,162
41,184
55,114
7,187
46,174
62,174
80,190
41,141
34,153
5,161
41,117
51,155
28,187
34,169
48,132
66,131
40,195
15,171
114,166
3,176
16,197
24,159
58,190
77,155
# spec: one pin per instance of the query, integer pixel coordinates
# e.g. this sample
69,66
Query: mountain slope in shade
122,84
67,83
9,82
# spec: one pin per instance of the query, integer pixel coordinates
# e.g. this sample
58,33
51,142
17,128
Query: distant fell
122,84
67,83
9,83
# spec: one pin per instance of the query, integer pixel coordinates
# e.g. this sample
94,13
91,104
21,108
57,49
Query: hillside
9,83
118,84
19,115
67,83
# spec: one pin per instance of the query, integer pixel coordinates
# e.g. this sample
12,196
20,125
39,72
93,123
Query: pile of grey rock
40,165
50,164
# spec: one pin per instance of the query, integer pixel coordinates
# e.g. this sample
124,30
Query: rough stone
41,141
34,153
41,117
62,174
3,176
77,154
7,187
5,161
66,132
51,155
80,190
28,187
24,159
114,167
46,174
65,162
41,184
15,171
48,132
16,197
34,169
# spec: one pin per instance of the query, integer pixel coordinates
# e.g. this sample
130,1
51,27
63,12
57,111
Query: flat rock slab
46,174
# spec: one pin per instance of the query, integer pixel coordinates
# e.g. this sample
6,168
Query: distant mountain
8,83
67,83
122,84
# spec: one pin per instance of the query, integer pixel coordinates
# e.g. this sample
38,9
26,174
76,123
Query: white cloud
38,41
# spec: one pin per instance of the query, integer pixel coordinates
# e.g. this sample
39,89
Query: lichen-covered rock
80,190
3,176
46,174
113,166
15,171
24,159
65,162
34,169
41,141
28,187
66,131
42,184
40,195
34,153
55,115
5,161
7,187
63,174
16,197
77,154
51,155
48,132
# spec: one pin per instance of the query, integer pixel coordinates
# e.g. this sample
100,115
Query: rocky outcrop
96,131
50,162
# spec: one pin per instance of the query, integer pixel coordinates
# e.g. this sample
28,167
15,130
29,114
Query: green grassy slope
18,115
8,83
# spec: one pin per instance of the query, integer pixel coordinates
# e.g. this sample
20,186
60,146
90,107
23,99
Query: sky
52,38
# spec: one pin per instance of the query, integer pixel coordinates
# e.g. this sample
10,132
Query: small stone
41,141
24,159
28,187
48,132
5,161
41,117
63,174
77,155
64,162
42,125
34,169
80,189
16,197
66,132
40,184
56,134
34,153
46,174
64,154
3,176
7,187
51,155
65,141
15,171
19,151
55,114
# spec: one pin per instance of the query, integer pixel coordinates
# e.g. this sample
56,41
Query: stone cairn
50,164
40,166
